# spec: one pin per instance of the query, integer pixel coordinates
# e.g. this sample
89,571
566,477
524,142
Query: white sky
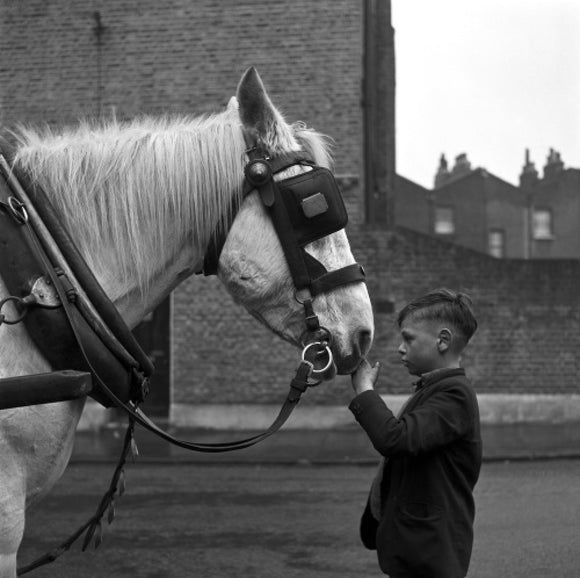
489,78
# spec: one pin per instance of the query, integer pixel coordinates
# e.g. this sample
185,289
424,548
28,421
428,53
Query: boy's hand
365,377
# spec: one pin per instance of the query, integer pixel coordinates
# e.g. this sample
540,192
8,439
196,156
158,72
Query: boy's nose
401,349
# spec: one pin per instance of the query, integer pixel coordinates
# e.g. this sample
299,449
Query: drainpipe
99,30
379,113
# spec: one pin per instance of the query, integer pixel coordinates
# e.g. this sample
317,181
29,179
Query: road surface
292,521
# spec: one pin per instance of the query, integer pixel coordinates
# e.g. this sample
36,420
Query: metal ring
328,352
18,210
18,319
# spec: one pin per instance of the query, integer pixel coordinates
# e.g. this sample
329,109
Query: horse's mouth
348,364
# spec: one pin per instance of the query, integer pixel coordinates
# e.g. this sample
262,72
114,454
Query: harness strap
24,259
218,239
292,251
87,281
349,274
93,526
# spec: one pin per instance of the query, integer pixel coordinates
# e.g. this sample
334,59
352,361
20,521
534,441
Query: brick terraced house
472,207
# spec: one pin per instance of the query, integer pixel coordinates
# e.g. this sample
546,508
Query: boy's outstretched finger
375,370
365,376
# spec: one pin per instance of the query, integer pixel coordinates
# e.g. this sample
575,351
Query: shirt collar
436,375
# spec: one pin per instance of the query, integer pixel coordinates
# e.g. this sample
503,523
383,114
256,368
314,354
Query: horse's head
253,265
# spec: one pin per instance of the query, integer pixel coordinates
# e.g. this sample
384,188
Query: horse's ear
257,113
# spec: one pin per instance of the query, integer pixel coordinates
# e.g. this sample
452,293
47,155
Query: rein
67,298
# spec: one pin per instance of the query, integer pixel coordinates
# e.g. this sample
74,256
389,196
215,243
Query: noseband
303,209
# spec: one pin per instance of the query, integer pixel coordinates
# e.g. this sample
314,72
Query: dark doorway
153,335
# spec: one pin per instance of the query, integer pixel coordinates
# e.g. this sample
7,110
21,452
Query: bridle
303,209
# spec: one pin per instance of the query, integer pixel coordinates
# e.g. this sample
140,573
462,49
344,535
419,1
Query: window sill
551,238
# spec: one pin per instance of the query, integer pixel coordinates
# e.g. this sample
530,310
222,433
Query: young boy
420,512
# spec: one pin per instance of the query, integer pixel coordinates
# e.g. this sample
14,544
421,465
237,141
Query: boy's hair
443,305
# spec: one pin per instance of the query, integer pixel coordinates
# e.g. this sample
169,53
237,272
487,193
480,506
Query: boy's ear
444,340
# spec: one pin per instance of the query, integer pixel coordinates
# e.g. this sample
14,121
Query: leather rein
52,246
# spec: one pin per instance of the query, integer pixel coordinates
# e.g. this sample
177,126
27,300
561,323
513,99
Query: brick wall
188,57
184,56
528,312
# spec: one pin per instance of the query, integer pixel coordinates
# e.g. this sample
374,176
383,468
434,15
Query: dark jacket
434,458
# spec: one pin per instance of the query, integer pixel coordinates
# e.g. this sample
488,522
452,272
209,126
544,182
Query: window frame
542,232
502,245
450,221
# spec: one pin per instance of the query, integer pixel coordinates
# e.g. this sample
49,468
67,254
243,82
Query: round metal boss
258,172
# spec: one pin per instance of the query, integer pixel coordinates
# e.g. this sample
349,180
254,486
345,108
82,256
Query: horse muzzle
360,344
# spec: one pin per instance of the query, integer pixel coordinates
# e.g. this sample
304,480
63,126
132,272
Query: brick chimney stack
529,175
554,165
442,175
462,166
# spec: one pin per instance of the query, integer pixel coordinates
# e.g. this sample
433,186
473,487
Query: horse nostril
363,339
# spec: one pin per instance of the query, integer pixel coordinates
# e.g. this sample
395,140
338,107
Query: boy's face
420,346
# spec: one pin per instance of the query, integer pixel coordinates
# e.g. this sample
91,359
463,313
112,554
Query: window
496,243
444,222
542,226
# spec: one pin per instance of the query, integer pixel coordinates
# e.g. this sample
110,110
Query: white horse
141,200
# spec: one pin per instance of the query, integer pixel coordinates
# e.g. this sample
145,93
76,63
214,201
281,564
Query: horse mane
140,188
316,144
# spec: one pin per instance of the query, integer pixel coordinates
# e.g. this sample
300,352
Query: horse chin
347,364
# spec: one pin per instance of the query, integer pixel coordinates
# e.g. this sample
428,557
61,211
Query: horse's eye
245,277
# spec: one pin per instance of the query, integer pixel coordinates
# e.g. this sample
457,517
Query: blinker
303,209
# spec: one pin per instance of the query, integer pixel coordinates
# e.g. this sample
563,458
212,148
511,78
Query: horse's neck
133,304
136,290
146,216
